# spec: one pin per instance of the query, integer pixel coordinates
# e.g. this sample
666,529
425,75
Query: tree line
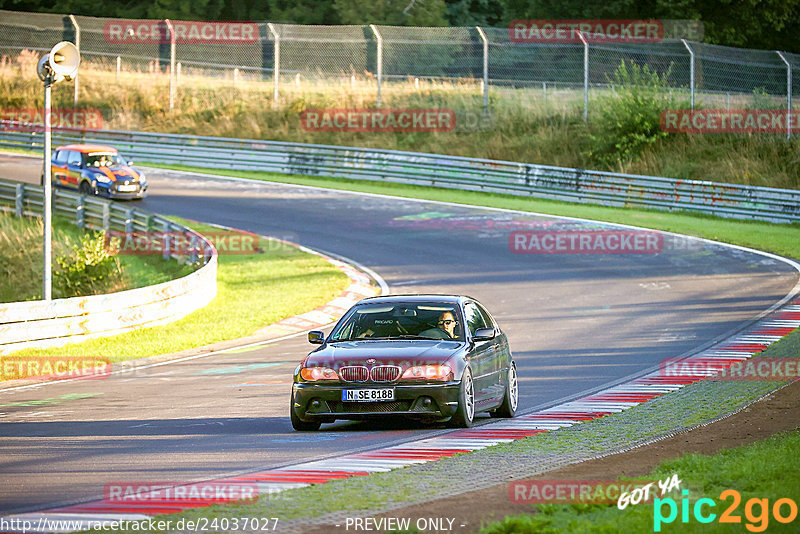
766,24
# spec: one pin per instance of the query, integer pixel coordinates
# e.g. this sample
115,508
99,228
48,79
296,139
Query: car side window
74,158
60,156
474,317
486,317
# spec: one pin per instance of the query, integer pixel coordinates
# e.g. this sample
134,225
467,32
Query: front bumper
112,192
323,402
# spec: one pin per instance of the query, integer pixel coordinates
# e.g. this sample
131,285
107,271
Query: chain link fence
374,61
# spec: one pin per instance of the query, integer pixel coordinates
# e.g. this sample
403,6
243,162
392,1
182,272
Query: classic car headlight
318,373
429,372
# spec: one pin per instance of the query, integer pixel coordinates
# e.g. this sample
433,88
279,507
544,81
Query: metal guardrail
541,181
60,321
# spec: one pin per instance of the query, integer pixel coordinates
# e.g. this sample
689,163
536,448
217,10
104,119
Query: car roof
88,148
389,299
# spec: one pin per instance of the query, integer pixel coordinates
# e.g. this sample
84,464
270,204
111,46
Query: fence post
276,66
19,197
485,68
788,96
585,77
79,213
171,29
106,216
165,226
119,66
380,60
129,221
78,46
691,71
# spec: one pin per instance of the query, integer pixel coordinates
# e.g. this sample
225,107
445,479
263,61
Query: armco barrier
60,321
542,181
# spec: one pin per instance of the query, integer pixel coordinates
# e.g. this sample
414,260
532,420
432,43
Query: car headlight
102,178
429,372
142,179
313,374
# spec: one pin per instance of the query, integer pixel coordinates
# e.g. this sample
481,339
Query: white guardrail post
379,60
691,71
585,77
788,96
77,77
57,322
485,67
171,29
276,63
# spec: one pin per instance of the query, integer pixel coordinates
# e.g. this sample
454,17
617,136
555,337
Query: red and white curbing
611,400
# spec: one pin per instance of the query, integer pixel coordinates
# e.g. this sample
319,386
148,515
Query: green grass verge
687,407
21,261
762,470
253,291
783,239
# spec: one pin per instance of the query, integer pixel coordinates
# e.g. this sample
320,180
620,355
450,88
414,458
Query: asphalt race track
575,322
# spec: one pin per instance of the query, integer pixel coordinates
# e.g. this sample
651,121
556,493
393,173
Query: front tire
86,189
300,425
465,414
511,398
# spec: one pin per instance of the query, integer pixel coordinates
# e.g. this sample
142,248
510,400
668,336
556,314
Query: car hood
404,353
121,173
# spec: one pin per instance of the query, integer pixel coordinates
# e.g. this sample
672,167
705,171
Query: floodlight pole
47,281
78,46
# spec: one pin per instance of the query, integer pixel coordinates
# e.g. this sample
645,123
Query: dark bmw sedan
434,358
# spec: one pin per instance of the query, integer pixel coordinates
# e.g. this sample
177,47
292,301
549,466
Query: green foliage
622,125
521,524
392,12
89,266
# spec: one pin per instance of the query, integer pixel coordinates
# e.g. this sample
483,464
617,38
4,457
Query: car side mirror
316,337
130,162
483,334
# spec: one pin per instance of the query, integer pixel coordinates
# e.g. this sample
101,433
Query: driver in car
448,323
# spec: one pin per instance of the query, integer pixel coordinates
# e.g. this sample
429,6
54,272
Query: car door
58,169
500,357
481,356
74,169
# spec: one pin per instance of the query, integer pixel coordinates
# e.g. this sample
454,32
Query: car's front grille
354,373
369,407
385,373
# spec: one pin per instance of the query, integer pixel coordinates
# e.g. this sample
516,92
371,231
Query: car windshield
401,320
104,159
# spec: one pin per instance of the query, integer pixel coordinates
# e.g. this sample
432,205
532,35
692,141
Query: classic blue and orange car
97,170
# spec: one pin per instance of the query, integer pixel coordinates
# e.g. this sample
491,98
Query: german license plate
367,395
127,187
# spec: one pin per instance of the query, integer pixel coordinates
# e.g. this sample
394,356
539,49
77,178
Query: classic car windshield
411,320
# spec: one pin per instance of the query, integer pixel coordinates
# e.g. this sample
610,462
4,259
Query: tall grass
21,260
523,124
